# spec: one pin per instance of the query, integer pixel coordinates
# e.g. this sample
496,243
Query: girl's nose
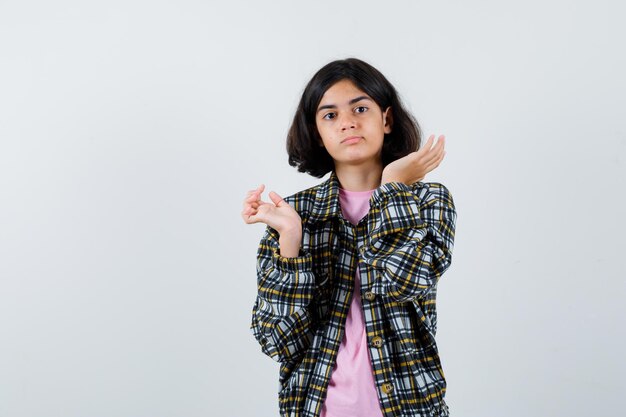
347,122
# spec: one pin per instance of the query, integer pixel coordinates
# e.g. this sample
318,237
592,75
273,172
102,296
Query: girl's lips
352,139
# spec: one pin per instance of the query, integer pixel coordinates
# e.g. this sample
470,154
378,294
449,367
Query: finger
277,199
430,167
434,152
248,209
429,142
440,154
252,191
254,197
255,204
249,219
251,202
441,142
439,149
430,156
250,212
254,217
434,163
256,207
258,190
425,148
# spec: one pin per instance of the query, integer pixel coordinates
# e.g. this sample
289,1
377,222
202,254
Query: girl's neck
359,178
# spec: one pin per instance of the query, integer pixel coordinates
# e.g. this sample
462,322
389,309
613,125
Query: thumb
276,199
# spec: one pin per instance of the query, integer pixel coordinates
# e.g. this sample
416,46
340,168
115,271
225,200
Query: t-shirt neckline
356,192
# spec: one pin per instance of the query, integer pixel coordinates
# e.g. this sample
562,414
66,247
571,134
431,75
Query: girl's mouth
351,139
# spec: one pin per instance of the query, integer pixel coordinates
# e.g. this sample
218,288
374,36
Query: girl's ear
388,120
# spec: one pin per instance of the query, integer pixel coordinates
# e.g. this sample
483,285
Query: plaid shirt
401,247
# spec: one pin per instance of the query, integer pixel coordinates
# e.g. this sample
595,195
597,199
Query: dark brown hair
303,138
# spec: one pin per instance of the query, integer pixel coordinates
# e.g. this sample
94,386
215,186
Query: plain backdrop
130,132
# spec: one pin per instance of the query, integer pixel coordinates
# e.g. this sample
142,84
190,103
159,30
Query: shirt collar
326,200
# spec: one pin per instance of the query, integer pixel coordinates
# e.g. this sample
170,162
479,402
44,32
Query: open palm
414,166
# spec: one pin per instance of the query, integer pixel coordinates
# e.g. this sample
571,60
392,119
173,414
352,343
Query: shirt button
370,295
387,388
377,341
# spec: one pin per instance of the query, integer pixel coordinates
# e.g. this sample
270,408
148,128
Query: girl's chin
357,160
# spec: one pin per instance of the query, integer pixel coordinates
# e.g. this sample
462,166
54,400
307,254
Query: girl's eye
361,109
326,116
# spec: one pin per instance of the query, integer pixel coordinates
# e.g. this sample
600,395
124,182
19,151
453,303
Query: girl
347,271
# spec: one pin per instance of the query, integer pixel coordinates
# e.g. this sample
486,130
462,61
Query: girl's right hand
280,215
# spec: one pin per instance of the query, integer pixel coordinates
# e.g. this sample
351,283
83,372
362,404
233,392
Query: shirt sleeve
281,316
411,238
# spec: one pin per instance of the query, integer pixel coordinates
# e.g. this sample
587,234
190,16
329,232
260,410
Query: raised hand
279,215
414,166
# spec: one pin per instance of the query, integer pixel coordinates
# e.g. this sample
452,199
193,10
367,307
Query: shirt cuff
388,190
302,263
395,207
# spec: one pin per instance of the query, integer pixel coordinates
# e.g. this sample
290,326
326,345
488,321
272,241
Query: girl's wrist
290,244
391,179
292,232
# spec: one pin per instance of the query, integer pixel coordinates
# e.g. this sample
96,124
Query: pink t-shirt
352,390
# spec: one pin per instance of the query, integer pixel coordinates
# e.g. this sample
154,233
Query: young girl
347,271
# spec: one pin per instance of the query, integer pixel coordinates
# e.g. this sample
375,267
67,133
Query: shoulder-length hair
303,138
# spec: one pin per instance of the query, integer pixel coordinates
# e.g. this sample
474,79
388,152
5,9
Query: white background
131,130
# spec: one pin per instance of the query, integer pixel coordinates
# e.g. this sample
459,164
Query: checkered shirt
401,247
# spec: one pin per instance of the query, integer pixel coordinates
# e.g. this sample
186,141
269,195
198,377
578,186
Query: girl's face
351,125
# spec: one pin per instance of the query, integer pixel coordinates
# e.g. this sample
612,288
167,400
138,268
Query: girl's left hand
416,165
